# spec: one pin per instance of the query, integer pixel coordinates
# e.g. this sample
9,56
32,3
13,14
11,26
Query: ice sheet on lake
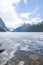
12,42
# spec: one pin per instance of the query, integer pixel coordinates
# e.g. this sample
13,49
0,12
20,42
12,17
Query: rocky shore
22,57
25,58
32,56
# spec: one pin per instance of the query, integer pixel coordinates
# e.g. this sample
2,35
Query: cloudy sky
16,12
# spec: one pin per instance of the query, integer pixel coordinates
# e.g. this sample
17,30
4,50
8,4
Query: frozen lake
25,41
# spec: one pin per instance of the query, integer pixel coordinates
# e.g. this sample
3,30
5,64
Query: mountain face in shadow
21,28
35,28
30,28
2,26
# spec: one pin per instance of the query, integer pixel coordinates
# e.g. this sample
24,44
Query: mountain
21,28
11,29
35,28
2,30
2,26
30,28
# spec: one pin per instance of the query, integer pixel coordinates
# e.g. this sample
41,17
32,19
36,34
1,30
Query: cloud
8,13
25,1
25,15
36,20
35,16
10,16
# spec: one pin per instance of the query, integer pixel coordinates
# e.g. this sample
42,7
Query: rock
1,50
25,58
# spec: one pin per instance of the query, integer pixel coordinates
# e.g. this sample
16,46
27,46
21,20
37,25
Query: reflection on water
24,47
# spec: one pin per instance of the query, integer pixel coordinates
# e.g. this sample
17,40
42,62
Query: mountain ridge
26,27
3,27
30,28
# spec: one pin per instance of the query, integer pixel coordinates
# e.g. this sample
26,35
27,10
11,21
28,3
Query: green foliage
2,30
35,28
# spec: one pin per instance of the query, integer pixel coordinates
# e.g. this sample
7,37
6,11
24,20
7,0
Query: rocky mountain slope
30,28
3,26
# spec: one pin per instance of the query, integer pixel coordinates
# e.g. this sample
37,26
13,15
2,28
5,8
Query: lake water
24,41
